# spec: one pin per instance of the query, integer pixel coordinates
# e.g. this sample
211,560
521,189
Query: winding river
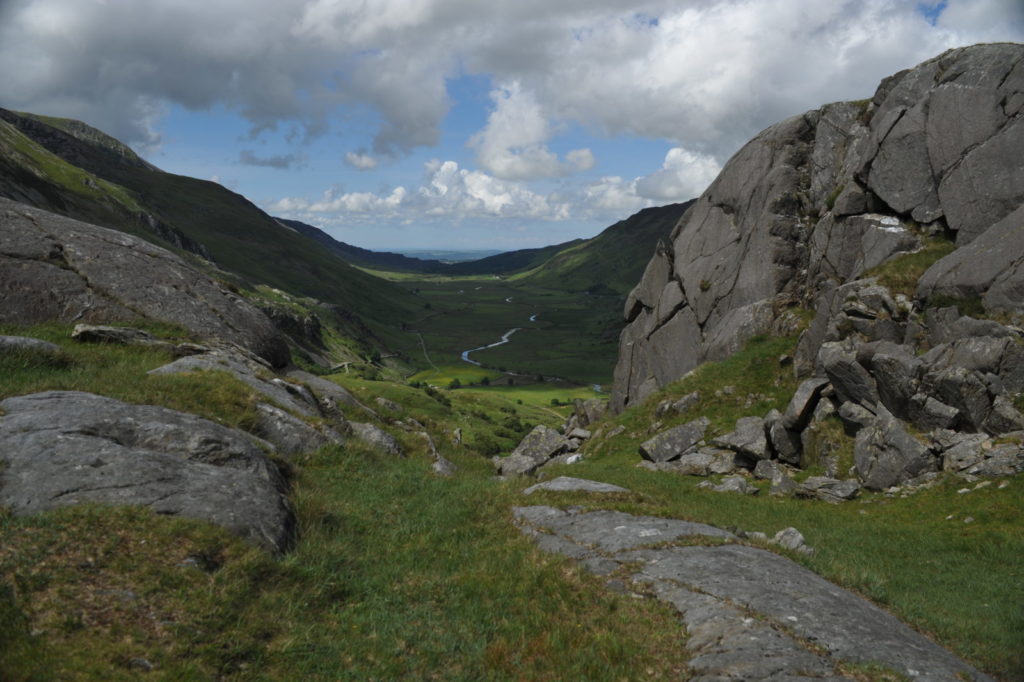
504,339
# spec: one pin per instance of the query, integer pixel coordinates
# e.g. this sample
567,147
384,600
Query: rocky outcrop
814,201
62,448
989,268
56,268
536,449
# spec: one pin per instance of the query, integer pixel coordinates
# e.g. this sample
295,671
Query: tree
454,384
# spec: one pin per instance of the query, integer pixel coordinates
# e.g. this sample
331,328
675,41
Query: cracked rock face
61,448
56,268
818,199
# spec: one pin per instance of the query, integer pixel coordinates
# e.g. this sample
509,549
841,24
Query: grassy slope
614,260
360,257
241,238
508,263
29,172
397,573
400,574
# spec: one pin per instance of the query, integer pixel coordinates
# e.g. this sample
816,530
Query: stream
504,339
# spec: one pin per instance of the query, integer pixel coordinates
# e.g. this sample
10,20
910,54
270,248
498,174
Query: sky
462,124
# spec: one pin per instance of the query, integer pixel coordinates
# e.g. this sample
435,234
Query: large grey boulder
814,201
62,448
749,614
963,389
886,454
539,446
329,394
852,382
27,344
749,440
801,406
988,268
675,442
828,489
56,268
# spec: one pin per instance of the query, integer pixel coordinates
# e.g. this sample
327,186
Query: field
573,336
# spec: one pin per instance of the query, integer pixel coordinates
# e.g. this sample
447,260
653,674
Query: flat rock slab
570,484
749,614
612,531
62,448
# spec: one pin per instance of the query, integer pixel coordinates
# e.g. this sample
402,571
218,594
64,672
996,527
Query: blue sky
400,124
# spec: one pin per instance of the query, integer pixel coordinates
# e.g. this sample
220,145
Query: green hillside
611,262
69,168
509,262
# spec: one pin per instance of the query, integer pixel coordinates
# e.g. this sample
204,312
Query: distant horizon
404,125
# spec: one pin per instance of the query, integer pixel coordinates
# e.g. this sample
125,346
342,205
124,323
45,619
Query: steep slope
819,199
509,262
612,261
47,167
362,257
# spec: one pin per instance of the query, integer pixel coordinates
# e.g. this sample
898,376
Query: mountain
929,164
506,263
74,170
612,261
382,260
509,262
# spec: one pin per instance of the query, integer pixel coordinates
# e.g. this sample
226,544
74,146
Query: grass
571,335
398,574
901,273
553,395
750,382
120,372
466,374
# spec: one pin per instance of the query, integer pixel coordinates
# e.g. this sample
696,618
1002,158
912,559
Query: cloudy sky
462,123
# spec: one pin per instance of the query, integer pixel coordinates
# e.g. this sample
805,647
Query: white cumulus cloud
512,146
683,175
446,191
